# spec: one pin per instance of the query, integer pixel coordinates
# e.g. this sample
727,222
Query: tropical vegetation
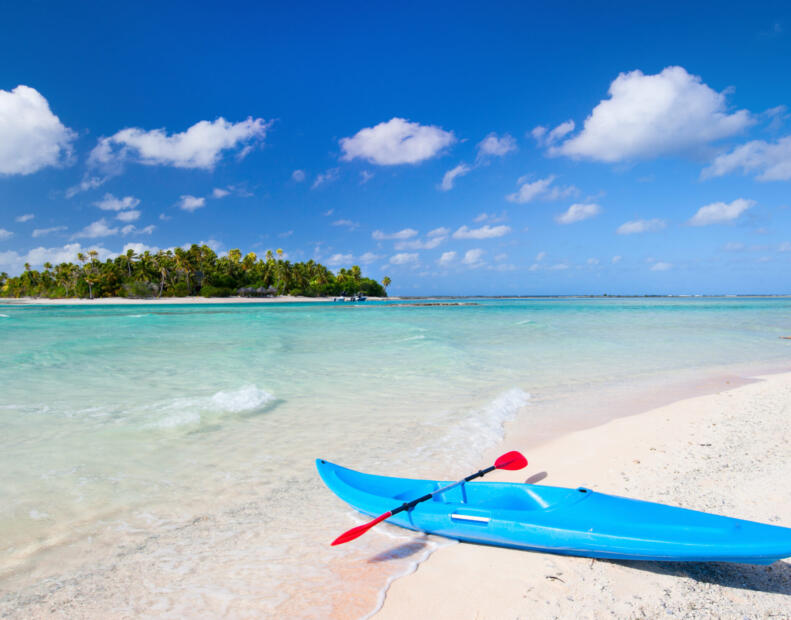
184,272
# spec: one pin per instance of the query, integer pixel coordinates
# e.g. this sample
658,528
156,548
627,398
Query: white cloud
559,267
491,145
447,258
718,212
578,212
140,248
472,258
99,228
31,136
219,192
298,176
404,258
200,146
336,260
484,232
450,176
5,234
128,216
771,160
365,176
131,229
369,257
439,232
41,232
347,223
641,226
558,133
24,218
191,203
653,115
406,233
325,177
541,256
417,244
88,182
660,266
542,188
13,262
397,141
111,203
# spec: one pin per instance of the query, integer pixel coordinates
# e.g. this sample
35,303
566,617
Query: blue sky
457,148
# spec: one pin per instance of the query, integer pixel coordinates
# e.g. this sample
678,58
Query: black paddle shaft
428,496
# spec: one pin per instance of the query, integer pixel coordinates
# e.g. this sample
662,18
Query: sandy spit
123,301
727,452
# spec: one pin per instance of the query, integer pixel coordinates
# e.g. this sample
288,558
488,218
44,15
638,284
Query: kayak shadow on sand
775,578
401,551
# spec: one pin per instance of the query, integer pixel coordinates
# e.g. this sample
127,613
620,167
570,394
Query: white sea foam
192,411
5,316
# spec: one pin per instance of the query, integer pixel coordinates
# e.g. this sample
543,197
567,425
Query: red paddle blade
358,531
511,461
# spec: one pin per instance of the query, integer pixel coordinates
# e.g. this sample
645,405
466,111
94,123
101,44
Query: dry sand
123,301
727,452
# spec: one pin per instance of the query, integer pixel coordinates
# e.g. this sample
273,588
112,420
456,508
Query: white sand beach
181,301
728,452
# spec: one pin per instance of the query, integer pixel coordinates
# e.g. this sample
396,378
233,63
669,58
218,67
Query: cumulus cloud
5,234
653,115
99,228
191,203
397,141
494,146
547,138
641,226
298,176
406,233
542,188
718,212
473,258
578,212
365,176
128,216
325,177
41,232
439,232
450,176
484,232
416,244
131,229
447,258
200,146
347,223
31,136
219,192
770,160
369,257
88,182
660,266
336,260
404,258
13,262
111,203
24,218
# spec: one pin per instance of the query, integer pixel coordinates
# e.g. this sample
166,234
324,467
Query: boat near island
559,520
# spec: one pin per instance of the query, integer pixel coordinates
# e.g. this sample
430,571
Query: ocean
158,459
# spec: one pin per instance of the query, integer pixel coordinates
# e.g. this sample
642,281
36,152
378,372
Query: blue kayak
560,520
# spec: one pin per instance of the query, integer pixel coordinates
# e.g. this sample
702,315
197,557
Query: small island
196,271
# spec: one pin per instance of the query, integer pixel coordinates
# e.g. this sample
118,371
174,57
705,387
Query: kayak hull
560,520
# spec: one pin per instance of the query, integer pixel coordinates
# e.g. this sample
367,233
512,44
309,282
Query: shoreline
167,301
622,456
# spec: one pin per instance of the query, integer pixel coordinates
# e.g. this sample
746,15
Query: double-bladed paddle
510,461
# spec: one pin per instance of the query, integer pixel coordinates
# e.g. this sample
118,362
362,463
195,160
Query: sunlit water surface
158,459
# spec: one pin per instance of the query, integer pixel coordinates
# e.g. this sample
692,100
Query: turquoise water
158,459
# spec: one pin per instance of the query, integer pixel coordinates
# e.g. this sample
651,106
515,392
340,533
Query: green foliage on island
182,273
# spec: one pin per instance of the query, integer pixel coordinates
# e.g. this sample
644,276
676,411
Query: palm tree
386,282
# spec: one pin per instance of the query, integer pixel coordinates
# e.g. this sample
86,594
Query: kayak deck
561,520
